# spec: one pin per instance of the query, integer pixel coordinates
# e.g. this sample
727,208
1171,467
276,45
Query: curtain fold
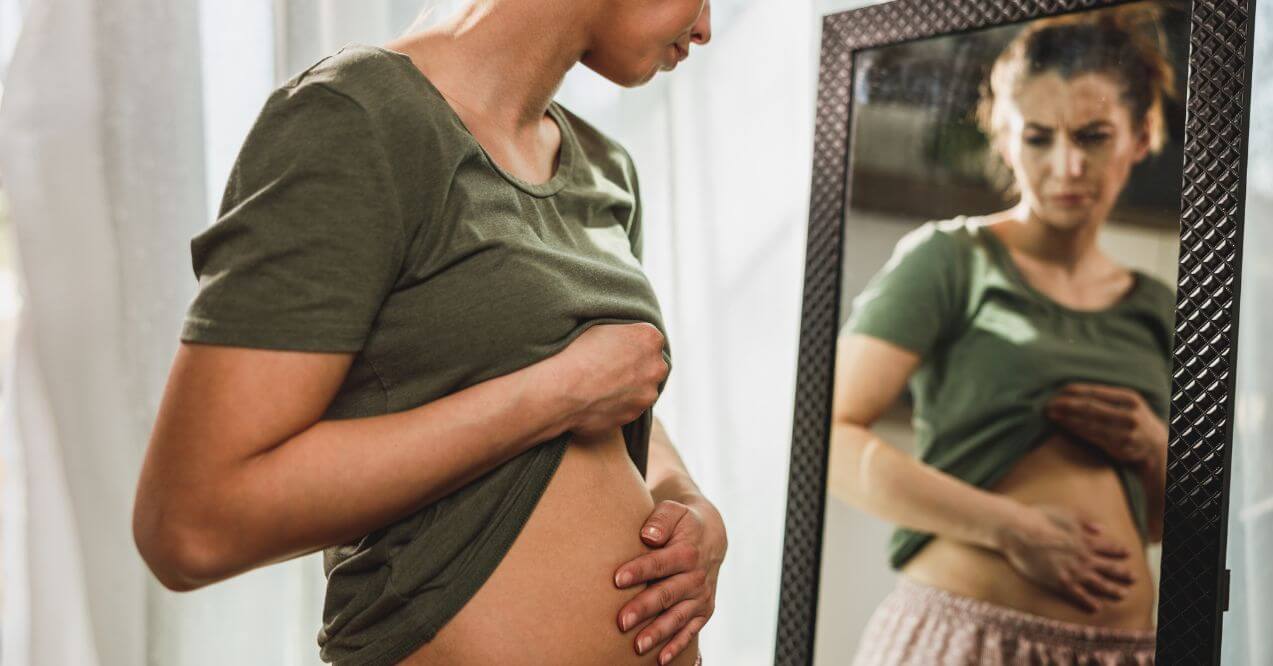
101,159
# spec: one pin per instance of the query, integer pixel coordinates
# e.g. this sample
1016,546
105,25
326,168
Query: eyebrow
1095,124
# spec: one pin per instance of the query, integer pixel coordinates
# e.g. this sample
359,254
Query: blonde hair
422,18
1126,43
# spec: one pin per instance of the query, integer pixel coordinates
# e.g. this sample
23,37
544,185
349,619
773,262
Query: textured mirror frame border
1194,582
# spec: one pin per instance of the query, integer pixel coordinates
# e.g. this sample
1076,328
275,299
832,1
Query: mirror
1002,381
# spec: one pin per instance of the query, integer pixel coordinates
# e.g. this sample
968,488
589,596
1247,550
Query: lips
681,52
1070,198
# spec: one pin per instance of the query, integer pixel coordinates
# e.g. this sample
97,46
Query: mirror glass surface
1003,363
1245,638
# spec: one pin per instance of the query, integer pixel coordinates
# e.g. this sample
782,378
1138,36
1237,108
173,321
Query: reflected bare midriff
1061,471
552,599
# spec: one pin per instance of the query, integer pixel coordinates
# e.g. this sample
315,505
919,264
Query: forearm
341,479
1153,475
666,474
887,483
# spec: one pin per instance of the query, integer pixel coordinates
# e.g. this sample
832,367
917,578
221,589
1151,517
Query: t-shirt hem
887,334
407,640
317,338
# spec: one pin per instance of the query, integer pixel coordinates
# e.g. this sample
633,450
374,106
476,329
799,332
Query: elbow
1156,533
182,554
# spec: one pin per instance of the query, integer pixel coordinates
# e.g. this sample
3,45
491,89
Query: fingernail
663,659
628,621
644,644
652,532
623,579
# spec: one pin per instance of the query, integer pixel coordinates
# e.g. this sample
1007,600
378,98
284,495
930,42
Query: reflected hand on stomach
552,599
1066,483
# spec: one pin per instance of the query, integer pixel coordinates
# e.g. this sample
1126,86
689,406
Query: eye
1091,138
1038,140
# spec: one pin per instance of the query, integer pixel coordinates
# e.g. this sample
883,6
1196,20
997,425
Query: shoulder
379,90
1157,295
1158,290
941,240
365,75
602,152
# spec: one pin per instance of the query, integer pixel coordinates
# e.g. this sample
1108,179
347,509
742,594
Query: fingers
1106,547
1103,587
682,639
1112,431
667,561
1114,572
662,521
666,625
1090,410
660,597
1114,395
1079,595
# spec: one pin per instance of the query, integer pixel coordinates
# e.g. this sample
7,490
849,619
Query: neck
501,59
1071,250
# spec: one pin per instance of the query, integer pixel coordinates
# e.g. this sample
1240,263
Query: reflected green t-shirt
362,216
993,351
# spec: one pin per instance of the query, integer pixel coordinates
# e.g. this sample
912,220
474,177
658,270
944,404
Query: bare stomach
552,599
1060,471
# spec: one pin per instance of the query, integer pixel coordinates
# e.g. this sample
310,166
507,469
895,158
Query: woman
1040,374
423,344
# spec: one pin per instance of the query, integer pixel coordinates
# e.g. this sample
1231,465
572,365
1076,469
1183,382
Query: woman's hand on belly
681,576
1061,550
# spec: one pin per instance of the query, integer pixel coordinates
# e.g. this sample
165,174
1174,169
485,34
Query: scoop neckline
566,153
1009,264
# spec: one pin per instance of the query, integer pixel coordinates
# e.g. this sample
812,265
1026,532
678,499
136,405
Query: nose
1067,159
701,31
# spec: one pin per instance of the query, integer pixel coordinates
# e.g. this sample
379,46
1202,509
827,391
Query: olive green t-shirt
993,351
362,216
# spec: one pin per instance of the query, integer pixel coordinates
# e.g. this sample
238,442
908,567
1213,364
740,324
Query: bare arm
680,575
1154,476
667,476
240,472
879,479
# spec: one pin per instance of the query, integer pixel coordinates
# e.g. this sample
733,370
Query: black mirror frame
1194,582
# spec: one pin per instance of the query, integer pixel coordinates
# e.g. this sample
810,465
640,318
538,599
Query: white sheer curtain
1246,639
98,146
119,123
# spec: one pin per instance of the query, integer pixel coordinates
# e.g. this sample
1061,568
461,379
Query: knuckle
678,616
666,597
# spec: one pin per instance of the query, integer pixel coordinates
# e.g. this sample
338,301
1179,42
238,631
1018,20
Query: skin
500,62
1054,537
241,472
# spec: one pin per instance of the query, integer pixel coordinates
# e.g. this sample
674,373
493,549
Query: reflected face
643,37
1071,145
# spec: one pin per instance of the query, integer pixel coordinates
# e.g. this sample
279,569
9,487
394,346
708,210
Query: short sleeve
635,236
916,298
309,240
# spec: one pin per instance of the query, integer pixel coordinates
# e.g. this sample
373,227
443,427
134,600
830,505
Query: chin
1067,220
630,76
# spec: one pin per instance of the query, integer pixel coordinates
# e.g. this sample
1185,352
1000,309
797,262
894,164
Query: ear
1143,144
